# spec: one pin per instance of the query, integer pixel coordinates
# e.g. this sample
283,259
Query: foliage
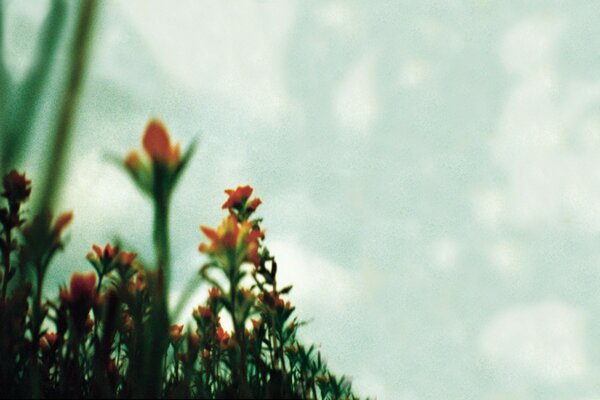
108,333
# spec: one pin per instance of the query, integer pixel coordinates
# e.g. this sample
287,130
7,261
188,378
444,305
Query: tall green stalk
79,55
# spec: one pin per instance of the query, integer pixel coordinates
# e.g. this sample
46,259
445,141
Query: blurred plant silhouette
109,333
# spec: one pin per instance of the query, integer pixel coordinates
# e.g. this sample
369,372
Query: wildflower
157,144
273,300
79,299
239,204
223,337
230,235
203,312
109,258
17,187
160,162
82,289
175,333
238,197
214,293
127,258
253,205
206,354
137,284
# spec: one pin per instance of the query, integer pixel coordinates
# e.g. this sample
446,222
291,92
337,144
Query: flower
203,312
238,202
17,187
237,197
82,289
106,255
175,333
222,337
105,260
79,298
157,144
243,239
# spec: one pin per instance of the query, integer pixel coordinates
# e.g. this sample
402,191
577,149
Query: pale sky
430,172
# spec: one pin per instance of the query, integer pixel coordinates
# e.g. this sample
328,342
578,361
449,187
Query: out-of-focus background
430,172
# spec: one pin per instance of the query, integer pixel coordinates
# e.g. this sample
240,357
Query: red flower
203,312
237,197
222,337
157,144
253,205
82,289
17,187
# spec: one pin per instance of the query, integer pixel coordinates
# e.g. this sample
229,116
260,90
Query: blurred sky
430,172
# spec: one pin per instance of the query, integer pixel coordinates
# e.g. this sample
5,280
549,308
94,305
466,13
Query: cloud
239,58
544,340
543,135
356,102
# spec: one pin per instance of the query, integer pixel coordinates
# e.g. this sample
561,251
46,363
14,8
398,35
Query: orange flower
253,205
157,144
233,236
222,337
127,258
175,333
237,197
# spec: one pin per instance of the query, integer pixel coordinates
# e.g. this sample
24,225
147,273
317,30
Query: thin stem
62,132
6,261
25,105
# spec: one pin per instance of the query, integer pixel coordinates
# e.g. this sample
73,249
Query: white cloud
542,133
231,49
356,103
446,252
545,340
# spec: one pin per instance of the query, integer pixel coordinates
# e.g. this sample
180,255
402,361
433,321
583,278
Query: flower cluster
108,333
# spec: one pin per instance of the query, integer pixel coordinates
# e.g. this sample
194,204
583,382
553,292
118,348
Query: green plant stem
6,261
26,97
62,132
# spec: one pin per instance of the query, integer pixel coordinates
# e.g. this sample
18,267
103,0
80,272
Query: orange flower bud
157,144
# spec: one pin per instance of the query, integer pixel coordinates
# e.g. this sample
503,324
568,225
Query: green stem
6,261
26,98
62,132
